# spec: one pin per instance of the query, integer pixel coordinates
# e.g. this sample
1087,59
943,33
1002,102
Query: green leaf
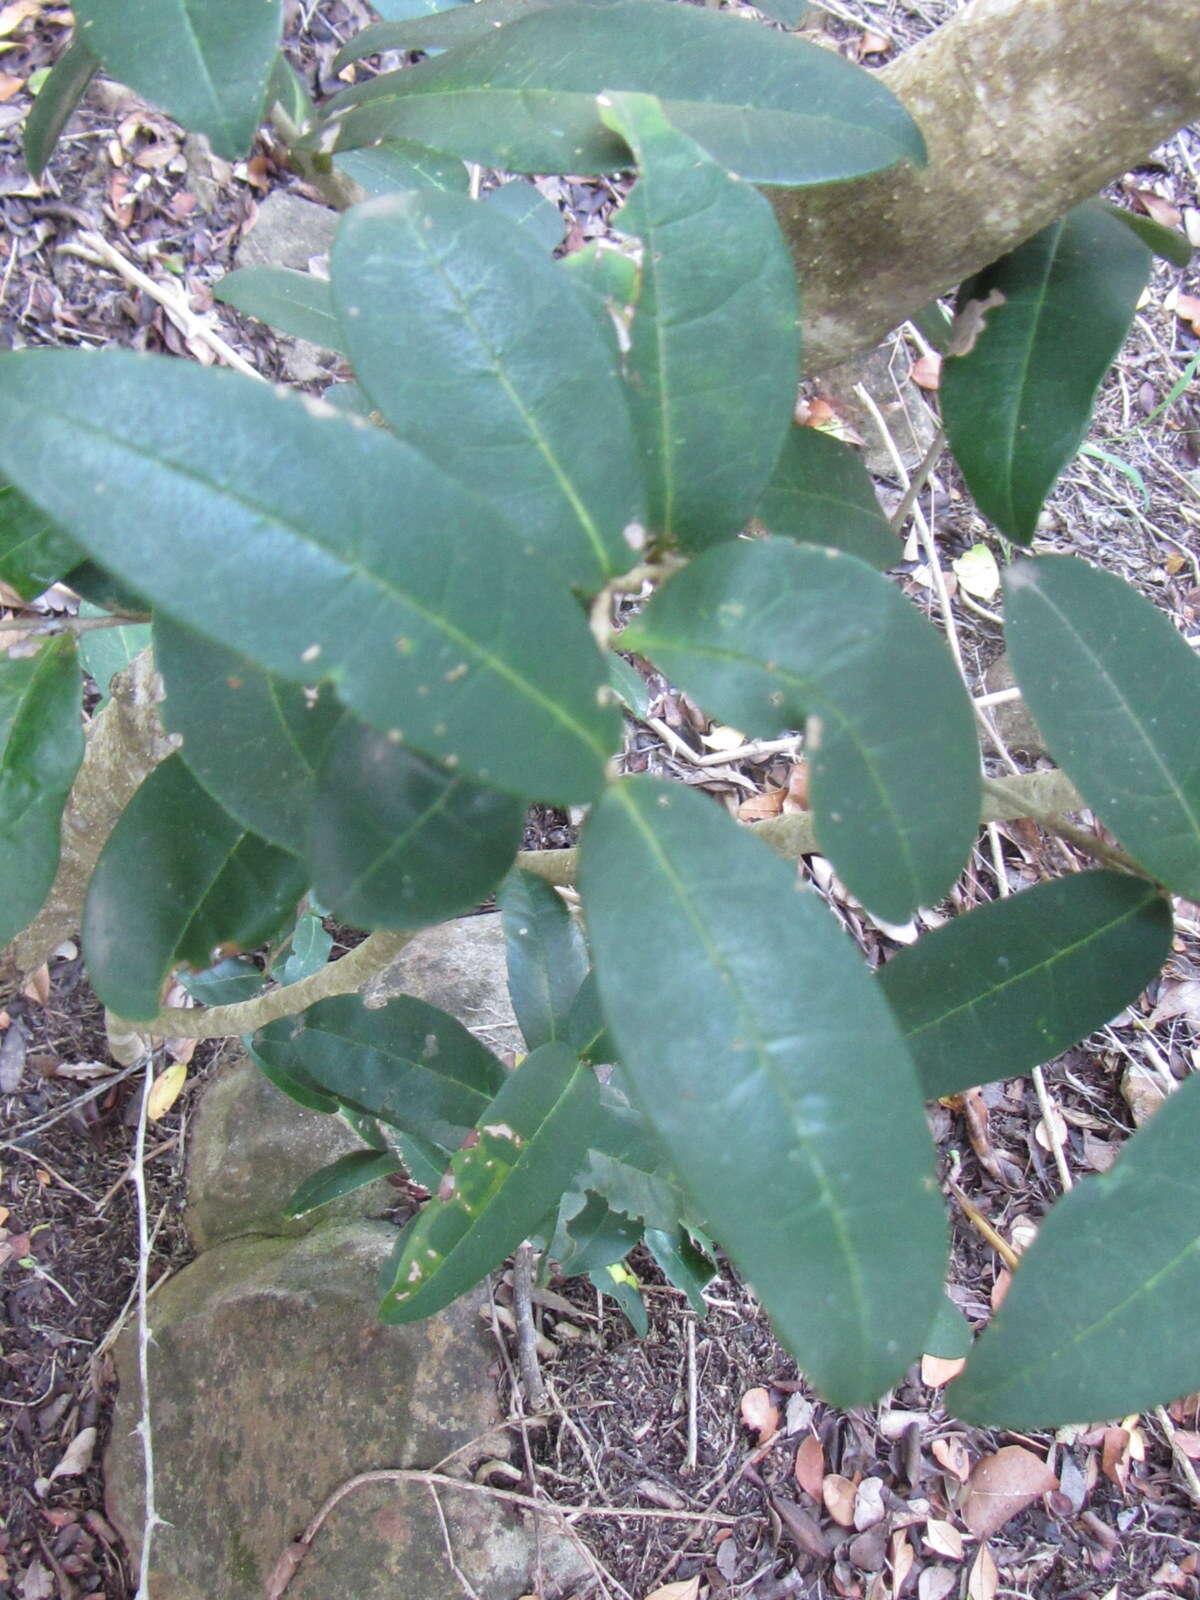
292,1082
631,688
56,99
424,1161
715,348
307,951
397,841
103,652
790,12
685,1265
287,88
529,1143
178,879
950,1334
753,1037
393,165
607,276
443,29
206,62
622,1286
820,493
409,1064
1013,984
41,746
480,353
1116,693
225,984
297,303
596,1237
253,741
100,588
34,553
341,1177
547,961
771,107
768,633
362,565
523,204
1170,245
1101,1316
1016,405
393,10
587,1029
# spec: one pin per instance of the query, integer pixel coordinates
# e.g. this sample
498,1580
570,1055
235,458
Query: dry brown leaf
873,43
944,1539
1098,1153
1114,1456
78,1455
1177,997
687,1589
984,1579
37,986
810,1467
935,1583
902,1559
936,1371
1002,1485
722,737
798,1413
1155,206
165,1090
13,15
761,1414
1189,1443
839,1494
802,1528
927,372
1043,1134
868,1504
1000,1288
758,807
1142,1091
1187,307
9,86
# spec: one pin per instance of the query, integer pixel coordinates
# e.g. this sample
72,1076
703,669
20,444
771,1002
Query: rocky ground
733,1515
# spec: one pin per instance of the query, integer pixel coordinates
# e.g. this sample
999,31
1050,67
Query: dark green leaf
587,1030
409,1064
790,12
949,1336
178,879
1016,404
306,952
292,1082
1102,1314
362,564
546,957
615,1281
41,746
1171,245
394,165
230,981
341,1177
685,1265
34,553
206,62
443,29
754,1037
393,10
1115,691
715,345
253,741
609,281
104,652
60,93
287,88
768,633
630,686
478,350
769,106
522,203
397,841
297,303
424,1161
596,1237
820,493
93,583
1013,984
529,1144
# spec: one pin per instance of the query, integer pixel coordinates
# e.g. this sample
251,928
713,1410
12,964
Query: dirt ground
654,1424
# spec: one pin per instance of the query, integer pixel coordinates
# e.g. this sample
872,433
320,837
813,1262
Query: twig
53,623
982,1226
152,1518
693,1433
32,1155
26,1130
170,296
748,752
1004,791
527,1358
1187,1470
920,478
454,1566
114,1189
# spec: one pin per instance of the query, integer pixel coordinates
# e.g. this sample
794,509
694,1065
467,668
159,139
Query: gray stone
250,1147
461,968
1012,718
272,1383
883,373
291,232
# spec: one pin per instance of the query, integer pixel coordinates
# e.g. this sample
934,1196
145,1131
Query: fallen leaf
984,1579
1114,1457
798,1414
902,1560
1177,997
796,796
935,1583
839,1494
1189,1443
37,986
723,737
13,15
1143,1092
868,1504
1187,308
936,1371
1002,1485
810,1467
760,1414
868,1550
758,807
1155,206
37,1584
12,1058
166,1090
77,1457
926,372
9,86
944,1539
977,572
688,1589
971,321
1058,1127
1000,1288
1099,1153
802,1529
727,1558
874,44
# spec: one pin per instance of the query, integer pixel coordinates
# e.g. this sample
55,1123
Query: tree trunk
1027,107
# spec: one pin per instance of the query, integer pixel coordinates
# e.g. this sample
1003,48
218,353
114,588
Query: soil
1123,1521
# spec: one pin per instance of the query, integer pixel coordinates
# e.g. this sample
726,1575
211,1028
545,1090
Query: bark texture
1027,107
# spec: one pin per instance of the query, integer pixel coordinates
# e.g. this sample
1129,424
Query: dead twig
527,1356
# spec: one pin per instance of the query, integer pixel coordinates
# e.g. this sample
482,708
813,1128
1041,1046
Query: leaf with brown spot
1003,1485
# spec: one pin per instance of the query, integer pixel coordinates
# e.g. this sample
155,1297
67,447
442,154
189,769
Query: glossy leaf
361,565
1167,243
715,345
253,741
634,1186
287,89
99,587
103,652
206,62
292,1082
61,92
769,106
618,1282
227,983
395,165
498,1188
41,746
684,1263
407,1063
1115,691
442,30
341,1177
34,553
820,493
1014,983
178,880
392,10
306,951
949,1335
1016,405
1101,1316
587,1030
547,960
594,1238
296,303
753,1036
477,350
522,203
397,841
767,634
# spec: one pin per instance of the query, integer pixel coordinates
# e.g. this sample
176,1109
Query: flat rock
273,1383
291,232
1012,718
250,1147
